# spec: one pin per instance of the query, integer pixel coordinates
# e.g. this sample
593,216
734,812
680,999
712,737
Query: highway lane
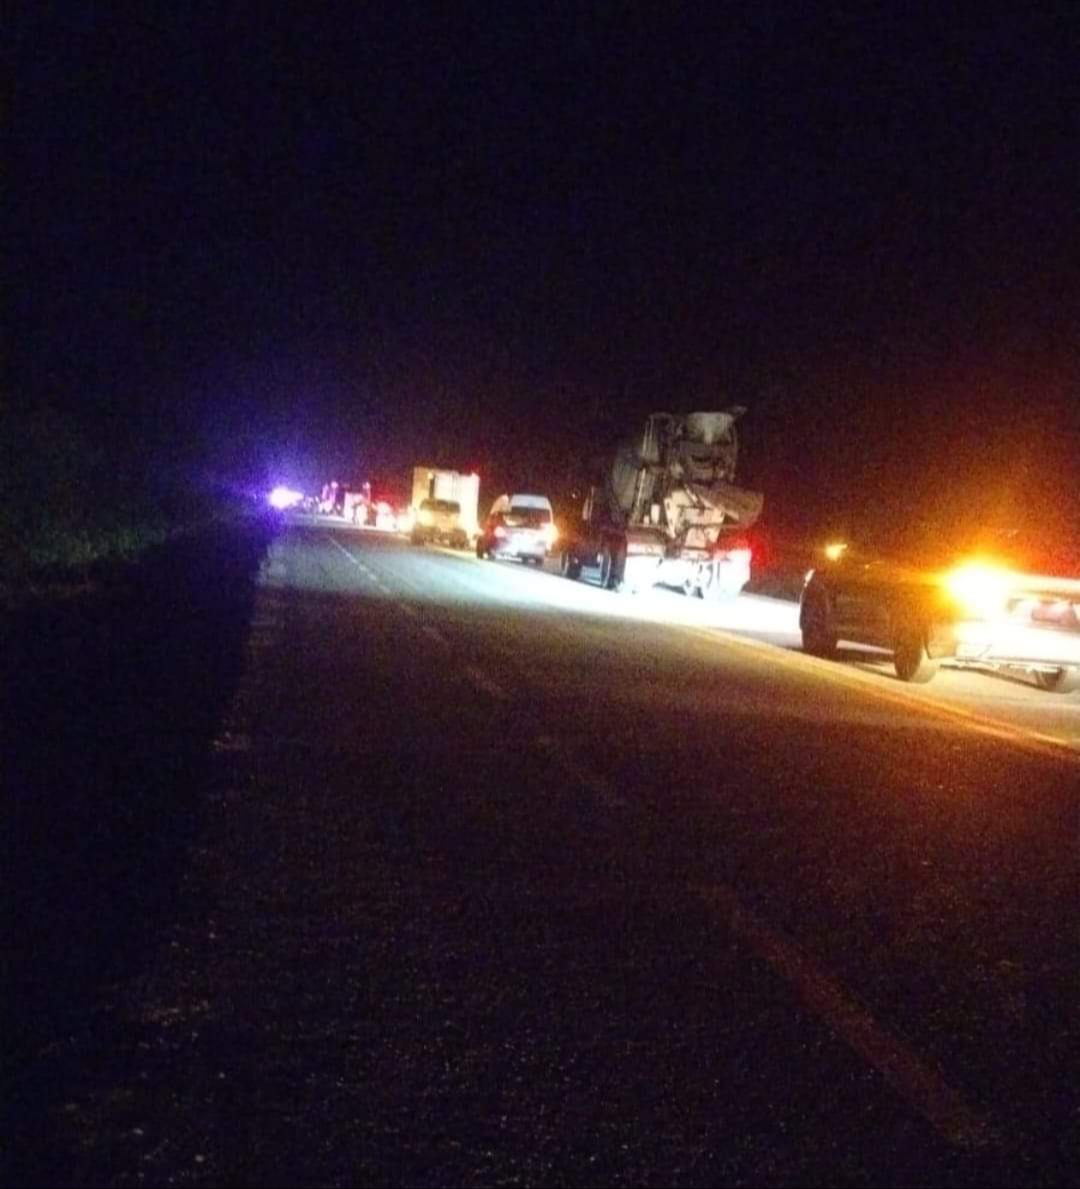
1009,702
963,710
513,880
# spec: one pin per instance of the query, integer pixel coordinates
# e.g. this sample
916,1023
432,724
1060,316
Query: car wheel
1058,681
818,632
569,566
910,658
606,569
481,552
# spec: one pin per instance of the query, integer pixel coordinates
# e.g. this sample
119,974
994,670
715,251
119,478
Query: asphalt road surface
496,878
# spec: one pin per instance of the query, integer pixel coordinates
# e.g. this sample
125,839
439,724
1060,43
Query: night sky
307,240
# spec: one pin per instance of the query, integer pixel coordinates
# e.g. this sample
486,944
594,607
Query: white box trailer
434,483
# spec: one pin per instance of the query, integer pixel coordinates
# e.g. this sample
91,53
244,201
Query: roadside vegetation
71,505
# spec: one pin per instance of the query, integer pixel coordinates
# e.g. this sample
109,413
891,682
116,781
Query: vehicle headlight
551,535
980,589
426,517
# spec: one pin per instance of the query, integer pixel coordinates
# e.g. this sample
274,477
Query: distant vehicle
356,505
283,498
668,512
435,483
385,518
438,522
519,525
975,613
346,501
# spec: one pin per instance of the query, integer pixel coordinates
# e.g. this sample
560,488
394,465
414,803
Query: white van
520,525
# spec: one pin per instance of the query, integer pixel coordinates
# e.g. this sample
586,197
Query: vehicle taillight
738,549
500,531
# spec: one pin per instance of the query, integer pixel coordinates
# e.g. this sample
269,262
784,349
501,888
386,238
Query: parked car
974,613
439,522
519,525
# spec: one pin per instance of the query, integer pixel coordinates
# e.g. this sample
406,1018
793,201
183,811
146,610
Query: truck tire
569,566
712,588
1058,681
910,658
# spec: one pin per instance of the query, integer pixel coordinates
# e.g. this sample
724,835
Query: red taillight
738,549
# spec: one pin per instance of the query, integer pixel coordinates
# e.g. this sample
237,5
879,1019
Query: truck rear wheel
569,566
712,586
692,586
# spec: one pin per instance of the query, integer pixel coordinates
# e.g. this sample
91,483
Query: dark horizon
497,240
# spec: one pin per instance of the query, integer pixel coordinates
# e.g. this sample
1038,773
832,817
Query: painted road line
433,633
341,548
409,589
922,1087
840,675
374,578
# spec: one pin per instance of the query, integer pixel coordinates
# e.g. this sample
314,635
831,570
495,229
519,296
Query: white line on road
337,545
917,1083
1029,740
920,1085
476,676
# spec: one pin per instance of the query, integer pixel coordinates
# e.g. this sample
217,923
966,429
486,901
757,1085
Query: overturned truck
669,512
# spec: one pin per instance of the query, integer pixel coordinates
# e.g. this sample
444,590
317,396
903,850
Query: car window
527,517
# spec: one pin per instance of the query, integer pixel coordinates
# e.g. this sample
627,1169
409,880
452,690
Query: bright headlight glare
979,588
284,497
